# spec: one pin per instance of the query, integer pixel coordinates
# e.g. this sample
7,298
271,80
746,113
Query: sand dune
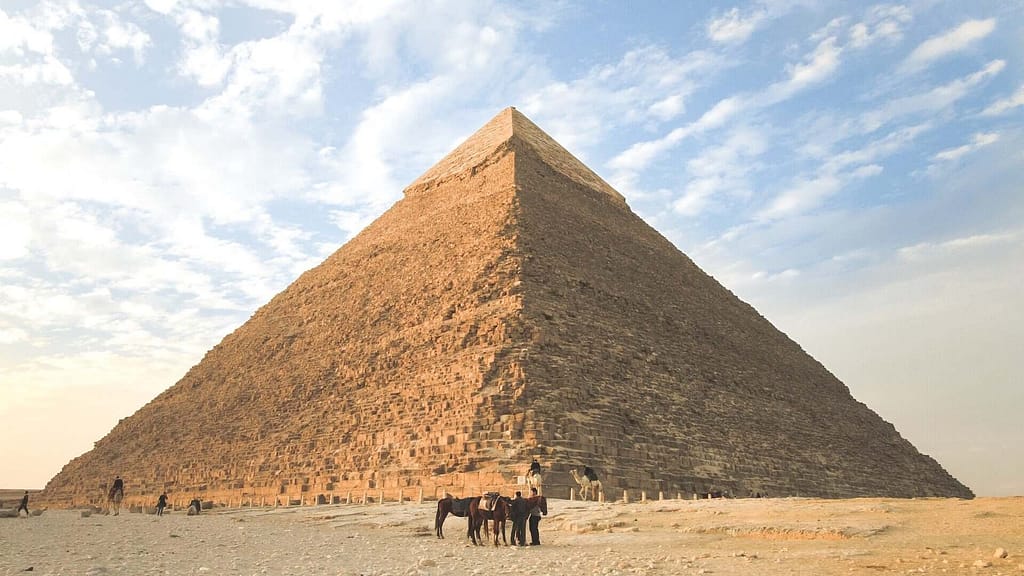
772,537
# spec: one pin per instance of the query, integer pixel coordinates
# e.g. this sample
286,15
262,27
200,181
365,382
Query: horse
114,498
534,480
456,507
537,502
501,510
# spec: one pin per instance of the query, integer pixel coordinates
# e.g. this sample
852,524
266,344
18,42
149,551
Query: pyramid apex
506,131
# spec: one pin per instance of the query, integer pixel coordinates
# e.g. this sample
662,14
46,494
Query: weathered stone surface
509,306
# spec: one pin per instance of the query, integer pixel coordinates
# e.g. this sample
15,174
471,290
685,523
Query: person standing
24,505
161,503
535,520
519,512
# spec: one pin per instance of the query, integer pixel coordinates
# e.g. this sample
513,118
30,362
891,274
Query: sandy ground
771,537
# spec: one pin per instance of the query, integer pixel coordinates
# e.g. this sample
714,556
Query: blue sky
854,171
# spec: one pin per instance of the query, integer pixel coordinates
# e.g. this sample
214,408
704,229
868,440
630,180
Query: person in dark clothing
519,513
197,504
534,522
589,473
24,505
118,485
161,503
534,467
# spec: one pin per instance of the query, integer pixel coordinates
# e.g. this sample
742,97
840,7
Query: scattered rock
86,513
427,563
981,564
1000,553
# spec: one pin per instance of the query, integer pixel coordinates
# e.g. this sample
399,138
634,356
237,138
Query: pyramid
510,306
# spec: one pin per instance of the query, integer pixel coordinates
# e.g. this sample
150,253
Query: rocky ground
771,537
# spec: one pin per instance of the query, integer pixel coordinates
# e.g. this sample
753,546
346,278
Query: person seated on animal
589,473
534,468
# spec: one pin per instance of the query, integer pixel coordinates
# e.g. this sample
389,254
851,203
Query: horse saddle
492,499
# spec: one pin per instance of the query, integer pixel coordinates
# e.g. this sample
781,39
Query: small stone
427,563
982,564
999,553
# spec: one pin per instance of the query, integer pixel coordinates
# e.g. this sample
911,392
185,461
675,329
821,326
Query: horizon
851,172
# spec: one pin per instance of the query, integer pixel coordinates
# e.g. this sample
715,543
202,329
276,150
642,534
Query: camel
588,487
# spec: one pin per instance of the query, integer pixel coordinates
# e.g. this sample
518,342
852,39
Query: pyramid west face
509,306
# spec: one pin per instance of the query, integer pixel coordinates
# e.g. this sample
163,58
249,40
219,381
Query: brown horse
501,509
456,507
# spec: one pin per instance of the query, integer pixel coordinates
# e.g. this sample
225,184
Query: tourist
24,505
519,512
534,468
589,474
535,520
116,495
161,503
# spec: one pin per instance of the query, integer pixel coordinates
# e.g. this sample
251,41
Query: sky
854,171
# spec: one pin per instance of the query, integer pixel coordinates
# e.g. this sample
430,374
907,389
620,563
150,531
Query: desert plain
721,536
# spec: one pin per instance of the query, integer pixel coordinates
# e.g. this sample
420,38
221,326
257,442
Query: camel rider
534,468
589,474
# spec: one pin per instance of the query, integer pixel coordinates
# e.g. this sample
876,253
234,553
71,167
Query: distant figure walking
116,495
24,505
161,503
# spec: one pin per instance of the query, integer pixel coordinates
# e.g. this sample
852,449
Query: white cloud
933,250
720,170
838,170
1005,104
668,107
950,42
647,85
734,27
934,100
817,67
119,34
980,140
18,36
884,23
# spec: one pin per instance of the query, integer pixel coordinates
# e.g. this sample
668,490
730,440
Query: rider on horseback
534,468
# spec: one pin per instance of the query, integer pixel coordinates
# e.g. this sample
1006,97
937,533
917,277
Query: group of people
521,513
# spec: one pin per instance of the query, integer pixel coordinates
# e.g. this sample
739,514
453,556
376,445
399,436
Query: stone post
625,496
419,499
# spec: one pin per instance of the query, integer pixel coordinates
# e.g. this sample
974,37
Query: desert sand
747,536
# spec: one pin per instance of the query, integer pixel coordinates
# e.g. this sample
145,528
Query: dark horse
501,509
456,507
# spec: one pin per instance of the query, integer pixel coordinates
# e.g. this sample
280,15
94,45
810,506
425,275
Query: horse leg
439,521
